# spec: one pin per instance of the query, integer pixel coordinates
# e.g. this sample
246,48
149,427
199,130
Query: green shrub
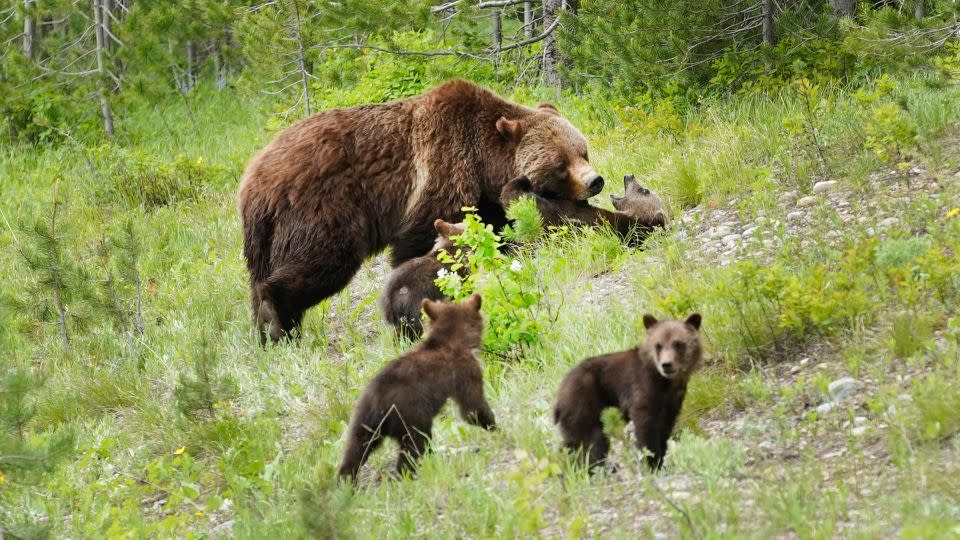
134,178
510,288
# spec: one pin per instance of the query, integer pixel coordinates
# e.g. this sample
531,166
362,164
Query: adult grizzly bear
338,187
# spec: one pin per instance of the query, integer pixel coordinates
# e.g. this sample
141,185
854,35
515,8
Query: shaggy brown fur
413,281
402,400
639,210
338,187
647,384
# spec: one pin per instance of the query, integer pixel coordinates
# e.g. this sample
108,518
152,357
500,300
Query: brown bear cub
405,396
639,210
647,383
413,281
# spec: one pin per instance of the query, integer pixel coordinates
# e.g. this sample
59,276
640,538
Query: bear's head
552,154
446,231
459,323
674,346
640,203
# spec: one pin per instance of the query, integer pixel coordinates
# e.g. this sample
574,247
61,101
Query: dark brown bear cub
639,210
647,384
413,281
402,400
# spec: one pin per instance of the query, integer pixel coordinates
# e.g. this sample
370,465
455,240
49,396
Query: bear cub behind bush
405,396
647,383
413,281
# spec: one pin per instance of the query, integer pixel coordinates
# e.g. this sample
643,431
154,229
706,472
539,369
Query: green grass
259,455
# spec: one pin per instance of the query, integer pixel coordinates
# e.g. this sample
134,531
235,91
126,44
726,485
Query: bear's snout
595,185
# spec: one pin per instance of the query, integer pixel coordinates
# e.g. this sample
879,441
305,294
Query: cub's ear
521,183
649,320
445,229
474,301
548,108
510,129
430,308
627,180
694,320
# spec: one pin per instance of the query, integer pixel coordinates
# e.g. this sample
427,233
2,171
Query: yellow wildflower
953,213
180,450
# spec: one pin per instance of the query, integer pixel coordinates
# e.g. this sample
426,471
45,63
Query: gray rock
807,201
731,239
889,222
858,431
721,231
859,420
791,196
825,186
796,214
749,230
826,407
842,388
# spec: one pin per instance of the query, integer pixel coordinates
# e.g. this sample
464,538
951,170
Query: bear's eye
679,346
658,347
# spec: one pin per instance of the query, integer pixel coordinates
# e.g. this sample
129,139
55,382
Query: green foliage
527,223
510,289
137,179
200,390
909,334
19,451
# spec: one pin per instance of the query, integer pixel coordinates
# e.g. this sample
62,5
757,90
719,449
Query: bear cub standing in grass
413,281
647,383
405,396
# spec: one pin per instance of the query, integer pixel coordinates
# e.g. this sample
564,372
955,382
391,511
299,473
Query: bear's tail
258,225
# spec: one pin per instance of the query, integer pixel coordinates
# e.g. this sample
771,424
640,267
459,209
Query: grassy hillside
189,429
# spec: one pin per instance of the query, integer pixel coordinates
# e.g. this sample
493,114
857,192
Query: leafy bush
510,288
134,178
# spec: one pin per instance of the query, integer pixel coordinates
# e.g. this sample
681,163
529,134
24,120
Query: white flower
515,265
442,273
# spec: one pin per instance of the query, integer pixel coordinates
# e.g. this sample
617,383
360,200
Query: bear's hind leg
362,442
413,445
296,286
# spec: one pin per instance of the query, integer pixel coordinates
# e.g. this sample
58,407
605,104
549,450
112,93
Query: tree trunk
106,7
101,70
218,67
29,29
528,28
769,14
497,33
920,10
191,65
552,58
301,59
844,8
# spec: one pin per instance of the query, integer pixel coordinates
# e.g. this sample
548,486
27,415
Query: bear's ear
628,179
474,301
509,128
694,320
617,201
430,308
649,320
548,108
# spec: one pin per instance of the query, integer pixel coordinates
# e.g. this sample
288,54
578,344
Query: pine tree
57,284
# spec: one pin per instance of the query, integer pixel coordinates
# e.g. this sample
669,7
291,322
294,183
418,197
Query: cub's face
552,154
674,345
640,203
